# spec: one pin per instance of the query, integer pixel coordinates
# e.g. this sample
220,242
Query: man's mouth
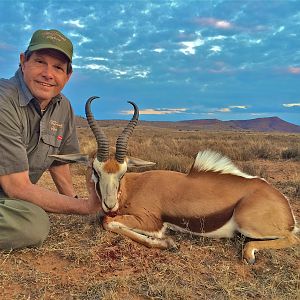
45,84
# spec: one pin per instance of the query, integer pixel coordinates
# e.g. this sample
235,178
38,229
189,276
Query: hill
259,124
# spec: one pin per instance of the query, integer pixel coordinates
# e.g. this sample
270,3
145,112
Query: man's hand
94,200
93,203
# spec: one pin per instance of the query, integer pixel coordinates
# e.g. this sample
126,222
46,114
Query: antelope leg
134,228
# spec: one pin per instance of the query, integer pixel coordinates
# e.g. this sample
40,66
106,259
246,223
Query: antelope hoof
249,261
249,256
249,253
170,243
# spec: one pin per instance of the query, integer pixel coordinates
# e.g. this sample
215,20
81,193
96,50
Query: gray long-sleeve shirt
28,137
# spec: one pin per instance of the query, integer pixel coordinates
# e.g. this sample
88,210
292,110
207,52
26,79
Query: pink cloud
220,68
294,70
223,24
4,46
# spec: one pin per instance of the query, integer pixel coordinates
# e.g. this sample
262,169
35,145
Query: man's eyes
42,62
39,61
59,68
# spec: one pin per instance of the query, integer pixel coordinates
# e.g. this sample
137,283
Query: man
37,121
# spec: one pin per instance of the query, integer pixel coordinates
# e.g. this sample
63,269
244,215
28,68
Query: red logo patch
59,138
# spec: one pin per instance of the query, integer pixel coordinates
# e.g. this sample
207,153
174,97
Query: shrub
291,153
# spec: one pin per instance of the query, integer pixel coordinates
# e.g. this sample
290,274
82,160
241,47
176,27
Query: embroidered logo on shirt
54,125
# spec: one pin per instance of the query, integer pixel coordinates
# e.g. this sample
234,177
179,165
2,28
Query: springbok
215,199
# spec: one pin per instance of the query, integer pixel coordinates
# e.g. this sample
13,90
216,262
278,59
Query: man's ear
138,163
22,60
72,158
69,75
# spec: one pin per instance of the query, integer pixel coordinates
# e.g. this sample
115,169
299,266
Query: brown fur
111,166
201,202
208,223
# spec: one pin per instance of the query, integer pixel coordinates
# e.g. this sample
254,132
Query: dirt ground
80,260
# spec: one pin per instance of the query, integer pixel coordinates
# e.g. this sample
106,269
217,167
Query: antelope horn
102,141
122,141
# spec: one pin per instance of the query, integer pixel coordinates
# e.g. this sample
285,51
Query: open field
80,260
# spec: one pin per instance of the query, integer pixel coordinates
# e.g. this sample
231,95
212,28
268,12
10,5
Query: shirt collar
25,95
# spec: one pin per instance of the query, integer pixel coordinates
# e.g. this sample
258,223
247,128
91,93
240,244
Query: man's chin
41,97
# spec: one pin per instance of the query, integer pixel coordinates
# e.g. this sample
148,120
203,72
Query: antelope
215,199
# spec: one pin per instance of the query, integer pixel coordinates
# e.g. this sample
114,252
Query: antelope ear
138,163
72,158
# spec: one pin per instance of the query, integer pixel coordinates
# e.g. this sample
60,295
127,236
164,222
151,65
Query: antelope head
108,171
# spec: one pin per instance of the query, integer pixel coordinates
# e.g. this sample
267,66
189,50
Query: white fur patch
153,239
155,234
226,231
213,161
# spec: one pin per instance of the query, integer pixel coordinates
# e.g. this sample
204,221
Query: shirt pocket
50,145
51,140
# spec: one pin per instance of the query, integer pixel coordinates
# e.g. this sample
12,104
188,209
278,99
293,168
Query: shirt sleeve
13,156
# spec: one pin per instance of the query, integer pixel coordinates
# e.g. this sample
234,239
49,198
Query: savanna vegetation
80,260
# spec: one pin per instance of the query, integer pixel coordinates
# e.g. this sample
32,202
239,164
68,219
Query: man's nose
47,72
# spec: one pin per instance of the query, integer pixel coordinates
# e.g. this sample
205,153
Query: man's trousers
22,224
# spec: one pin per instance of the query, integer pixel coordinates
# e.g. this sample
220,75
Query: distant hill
258,124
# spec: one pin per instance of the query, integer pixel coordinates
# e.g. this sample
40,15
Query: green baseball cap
51,39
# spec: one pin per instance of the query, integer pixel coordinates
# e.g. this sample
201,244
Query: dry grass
80,260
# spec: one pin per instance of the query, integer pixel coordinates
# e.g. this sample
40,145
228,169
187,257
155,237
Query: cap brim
49,46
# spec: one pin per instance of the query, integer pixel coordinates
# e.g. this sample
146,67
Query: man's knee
22,224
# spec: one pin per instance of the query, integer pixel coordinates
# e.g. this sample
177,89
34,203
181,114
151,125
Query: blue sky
176,59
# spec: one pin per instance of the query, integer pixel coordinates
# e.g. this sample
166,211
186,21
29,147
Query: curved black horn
102,141
122,141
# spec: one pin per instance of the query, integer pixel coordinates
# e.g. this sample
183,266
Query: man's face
44,75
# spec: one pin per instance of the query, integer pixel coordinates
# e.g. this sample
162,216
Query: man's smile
45,84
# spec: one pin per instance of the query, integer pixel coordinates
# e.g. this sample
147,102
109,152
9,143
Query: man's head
51,39
46,64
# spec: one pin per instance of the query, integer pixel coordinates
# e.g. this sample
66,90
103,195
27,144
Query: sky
176,59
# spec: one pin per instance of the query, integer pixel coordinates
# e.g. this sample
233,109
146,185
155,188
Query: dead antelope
215,199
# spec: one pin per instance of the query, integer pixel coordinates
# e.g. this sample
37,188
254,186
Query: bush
291,153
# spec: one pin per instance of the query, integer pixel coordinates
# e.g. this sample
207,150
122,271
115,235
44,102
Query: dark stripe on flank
202,224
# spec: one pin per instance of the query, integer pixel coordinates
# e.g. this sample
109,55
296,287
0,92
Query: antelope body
215,199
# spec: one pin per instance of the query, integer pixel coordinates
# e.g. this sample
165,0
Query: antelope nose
108,206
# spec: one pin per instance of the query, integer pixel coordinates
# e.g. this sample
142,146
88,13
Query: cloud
215,49
151,111
224,110
189,47
92,67
220,67
216,23
217,37
294,70
74,23
90,58
4,46
229,108
27,27
280,29
254,41
239,106
128,72
258,114
82,38
159,50
291,104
